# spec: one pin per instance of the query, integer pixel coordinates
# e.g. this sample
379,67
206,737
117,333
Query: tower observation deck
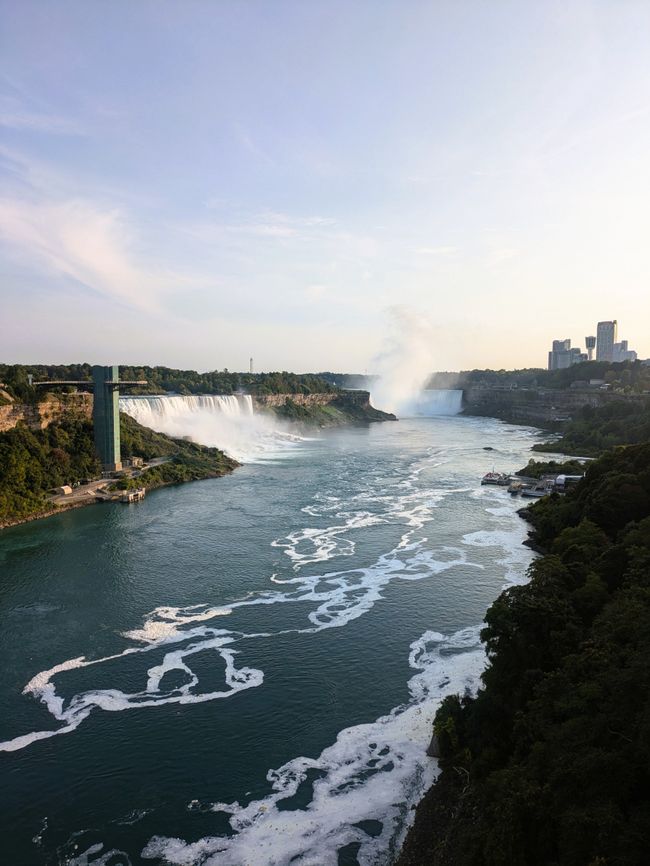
106,411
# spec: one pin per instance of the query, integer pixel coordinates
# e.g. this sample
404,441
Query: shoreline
60,509
449,802
43,515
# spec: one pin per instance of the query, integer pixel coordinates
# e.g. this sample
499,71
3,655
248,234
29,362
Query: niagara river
245,670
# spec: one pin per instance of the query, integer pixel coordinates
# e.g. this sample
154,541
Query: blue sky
191,183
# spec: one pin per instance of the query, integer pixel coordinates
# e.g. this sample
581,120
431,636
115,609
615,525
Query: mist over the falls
404,366
231,422
228,422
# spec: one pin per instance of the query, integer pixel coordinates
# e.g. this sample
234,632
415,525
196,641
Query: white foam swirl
373,772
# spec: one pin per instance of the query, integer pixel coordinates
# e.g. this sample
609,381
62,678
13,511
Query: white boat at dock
496,478
542,488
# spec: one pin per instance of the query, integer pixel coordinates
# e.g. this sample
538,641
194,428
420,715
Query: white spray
228,422
404,366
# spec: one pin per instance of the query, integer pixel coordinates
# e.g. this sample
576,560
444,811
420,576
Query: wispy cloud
88,244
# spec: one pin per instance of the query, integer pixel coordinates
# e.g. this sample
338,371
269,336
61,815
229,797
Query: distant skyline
192,183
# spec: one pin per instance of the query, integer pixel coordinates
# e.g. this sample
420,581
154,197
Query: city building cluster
605,344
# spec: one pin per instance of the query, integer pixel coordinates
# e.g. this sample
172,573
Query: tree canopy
549,765
166,380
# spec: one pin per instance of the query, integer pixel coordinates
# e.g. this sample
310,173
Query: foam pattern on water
374,771
336,598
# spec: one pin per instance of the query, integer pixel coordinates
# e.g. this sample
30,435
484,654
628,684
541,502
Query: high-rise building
621,352
562,355
607,333
590,343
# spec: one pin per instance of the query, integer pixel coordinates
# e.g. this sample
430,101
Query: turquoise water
244,670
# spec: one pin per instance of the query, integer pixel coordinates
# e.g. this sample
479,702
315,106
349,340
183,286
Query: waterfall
150,411
436,402
224,421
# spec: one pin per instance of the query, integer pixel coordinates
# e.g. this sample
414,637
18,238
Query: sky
195,182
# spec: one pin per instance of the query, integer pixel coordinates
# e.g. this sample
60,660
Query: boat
497,478
542,488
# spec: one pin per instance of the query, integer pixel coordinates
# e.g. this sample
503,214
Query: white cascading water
421,403
436,402
228,422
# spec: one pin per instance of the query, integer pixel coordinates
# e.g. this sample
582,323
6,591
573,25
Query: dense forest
630,377
549,765
32,462
164,380
535,468
592,431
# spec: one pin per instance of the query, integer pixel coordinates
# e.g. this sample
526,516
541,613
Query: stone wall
53,408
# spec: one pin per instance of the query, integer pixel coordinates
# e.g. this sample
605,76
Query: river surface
244,670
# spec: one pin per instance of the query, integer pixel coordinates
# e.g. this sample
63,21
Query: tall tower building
590,343
562,355
106,416
607,332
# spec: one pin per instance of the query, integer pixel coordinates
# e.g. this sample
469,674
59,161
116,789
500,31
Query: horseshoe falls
245,670
418,402
430,403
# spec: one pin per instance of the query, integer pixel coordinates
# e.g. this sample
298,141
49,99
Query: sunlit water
244,670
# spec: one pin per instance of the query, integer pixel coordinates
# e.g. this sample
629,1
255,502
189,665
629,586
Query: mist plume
406,361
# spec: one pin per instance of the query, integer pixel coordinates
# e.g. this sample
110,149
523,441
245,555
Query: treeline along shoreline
549,764
34,462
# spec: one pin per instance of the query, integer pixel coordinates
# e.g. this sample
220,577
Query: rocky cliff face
323,410
54,407
534,405
350,398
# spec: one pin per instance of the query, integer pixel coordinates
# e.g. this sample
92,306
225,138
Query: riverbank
35,462
587,423
548,763
42,515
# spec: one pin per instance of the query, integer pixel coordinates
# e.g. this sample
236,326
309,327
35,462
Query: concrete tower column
106,416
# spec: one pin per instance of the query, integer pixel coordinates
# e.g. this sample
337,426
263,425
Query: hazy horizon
191,184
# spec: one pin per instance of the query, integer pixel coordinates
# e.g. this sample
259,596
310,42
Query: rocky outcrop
350,398
54,407
322,410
